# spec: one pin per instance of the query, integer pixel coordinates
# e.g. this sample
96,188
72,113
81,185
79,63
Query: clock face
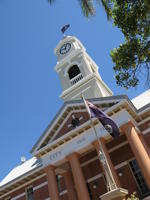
65,48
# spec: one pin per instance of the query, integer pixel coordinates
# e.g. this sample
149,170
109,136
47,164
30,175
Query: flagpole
110,182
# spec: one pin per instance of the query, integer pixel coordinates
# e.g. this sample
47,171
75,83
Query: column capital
96,144
72,155
127,126
49,167
66,173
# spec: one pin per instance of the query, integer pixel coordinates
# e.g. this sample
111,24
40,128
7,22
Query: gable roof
138,104
64,111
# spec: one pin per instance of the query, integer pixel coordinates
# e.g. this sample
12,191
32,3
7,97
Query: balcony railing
76,79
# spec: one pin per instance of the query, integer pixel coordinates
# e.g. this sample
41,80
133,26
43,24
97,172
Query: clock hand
63,48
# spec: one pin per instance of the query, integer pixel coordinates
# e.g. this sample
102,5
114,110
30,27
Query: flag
64,28
106,121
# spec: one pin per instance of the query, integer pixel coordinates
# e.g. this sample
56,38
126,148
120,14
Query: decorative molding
94,178
35,152
146,131
19,196
118,146
143,121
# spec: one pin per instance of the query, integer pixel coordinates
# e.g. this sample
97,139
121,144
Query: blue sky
29,86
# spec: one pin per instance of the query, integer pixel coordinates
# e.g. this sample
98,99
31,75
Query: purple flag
106,121
64,28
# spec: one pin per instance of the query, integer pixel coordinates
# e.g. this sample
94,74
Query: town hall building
65,162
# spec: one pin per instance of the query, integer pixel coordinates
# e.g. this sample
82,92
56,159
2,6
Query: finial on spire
64,28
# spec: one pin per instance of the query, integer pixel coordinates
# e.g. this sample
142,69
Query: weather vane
64,28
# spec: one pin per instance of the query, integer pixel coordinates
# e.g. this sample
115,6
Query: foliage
133,197
132,58
88,7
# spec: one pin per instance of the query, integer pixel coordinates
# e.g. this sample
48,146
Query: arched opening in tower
73,71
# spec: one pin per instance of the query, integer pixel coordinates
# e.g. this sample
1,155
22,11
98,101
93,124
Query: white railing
76,79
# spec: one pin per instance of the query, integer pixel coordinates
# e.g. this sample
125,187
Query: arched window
73,71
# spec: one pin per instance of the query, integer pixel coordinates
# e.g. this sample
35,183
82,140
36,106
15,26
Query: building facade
65,163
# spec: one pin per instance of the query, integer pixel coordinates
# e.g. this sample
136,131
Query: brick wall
92,169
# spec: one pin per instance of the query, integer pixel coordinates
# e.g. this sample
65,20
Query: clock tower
77,71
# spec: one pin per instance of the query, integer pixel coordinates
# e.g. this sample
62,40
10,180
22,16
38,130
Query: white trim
63,192
143,121
18,196
39,186
82,82
64,136
118,146
78,85
146,131
73,97
101,175
121,165
89,161
94,178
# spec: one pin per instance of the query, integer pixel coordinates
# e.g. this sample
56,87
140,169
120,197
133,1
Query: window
74,74
29,193
89,190
58,182
73,71
144,191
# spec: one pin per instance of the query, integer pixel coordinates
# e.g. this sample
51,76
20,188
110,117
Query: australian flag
64,28
106,121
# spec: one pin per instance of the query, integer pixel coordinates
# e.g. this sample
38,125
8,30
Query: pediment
73,120
63,123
